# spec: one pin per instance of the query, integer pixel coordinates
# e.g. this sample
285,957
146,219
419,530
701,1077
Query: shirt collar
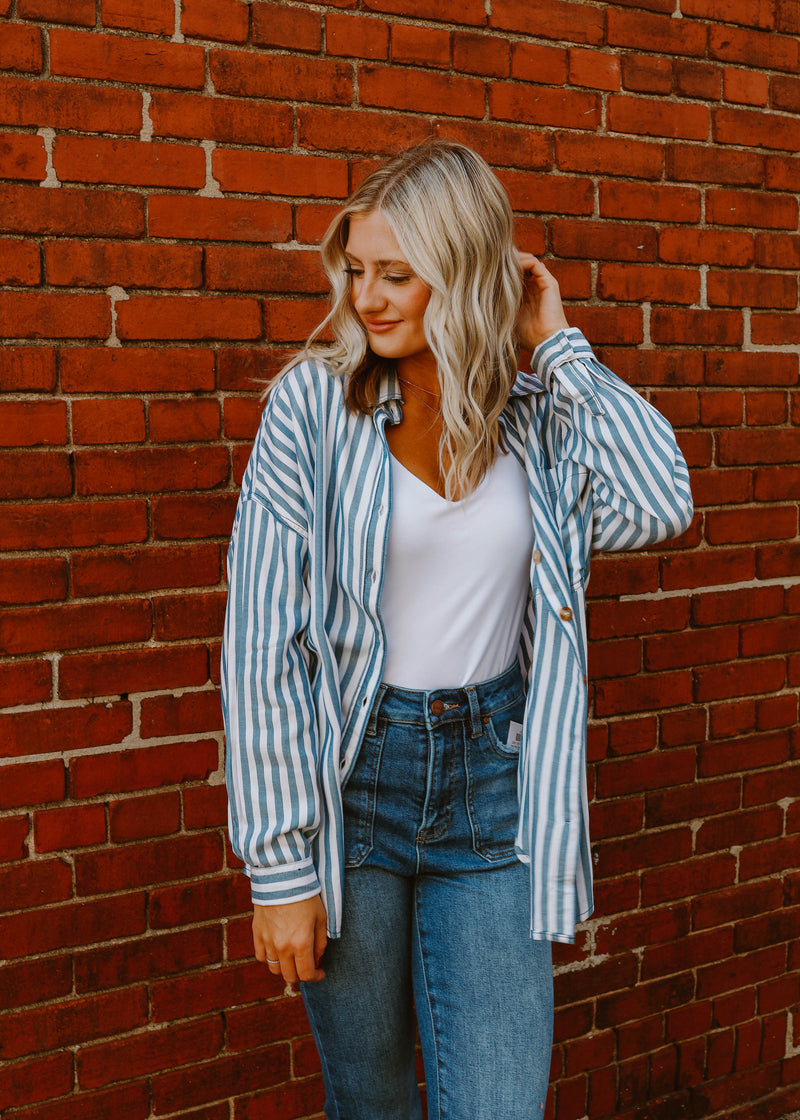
389,387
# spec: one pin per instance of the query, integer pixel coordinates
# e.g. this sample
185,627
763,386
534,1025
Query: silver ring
272,962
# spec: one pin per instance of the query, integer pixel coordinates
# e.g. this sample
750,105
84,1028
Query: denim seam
429,1002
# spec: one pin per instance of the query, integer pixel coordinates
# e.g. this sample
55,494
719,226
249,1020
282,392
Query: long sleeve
270,721
638,475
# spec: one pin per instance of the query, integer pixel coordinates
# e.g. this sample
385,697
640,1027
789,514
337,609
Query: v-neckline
431,490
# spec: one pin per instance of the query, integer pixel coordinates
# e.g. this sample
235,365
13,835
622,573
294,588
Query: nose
365,295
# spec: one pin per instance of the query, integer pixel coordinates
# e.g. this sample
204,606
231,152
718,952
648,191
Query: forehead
370,237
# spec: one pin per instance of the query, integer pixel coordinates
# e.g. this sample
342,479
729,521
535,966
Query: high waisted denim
436,914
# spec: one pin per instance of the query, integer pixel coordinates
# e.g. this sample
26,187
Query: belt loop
372,725
474,712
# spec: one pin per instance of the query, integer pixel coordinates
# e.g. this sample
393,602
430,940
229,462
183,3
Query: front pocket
492,799
359,798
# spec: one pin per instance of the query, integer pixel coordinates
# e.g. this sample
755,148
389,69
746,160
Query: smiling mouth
380,325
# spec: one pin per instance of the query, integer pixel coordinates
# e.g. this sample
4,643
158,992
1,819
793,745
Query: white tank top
457,579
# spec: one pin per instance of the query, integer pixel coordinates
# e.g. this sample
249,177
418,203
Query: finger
306,967
272,961
320,941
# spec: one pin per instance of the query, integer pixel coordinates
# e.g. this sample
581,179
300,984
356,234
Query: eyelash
351,272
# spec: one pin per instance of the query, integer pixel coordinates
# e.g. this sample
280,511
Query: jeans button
437,707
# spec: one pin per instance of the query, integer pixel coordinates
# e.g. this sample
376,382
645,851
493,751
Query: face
388,297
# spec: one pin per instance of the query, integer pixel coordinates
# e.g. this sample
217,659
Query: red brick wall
167,167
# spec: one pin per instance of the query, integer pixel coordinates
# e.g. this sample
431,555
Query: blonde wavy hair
453,220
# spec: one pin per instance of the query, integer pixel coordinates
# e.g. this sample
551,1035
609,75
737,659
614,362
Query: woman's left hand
541,312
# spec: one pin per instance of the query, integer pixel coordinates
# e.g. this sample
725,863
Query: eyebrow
380,264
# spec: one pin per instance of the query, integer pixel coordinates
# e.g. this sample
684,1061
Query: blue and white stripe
303,649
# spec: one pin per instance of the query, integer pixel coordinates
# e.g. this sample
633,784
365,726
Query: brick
782,173
637,930
135,369
692,647
131,1101
204,901
193,517
13,842
745,88
681,409
219,219
642,693
164,318
184,996
684,803
247,74
750,369
707,569
189,616
636,200
535,63
242,268
736,605
419,91
28,209
108,421
41,579
739,525
647,73
149,1052
774,329
638,1002
74,826
114,58
21,156
609,324
140,818
36,1080
31,424
73,524
755,129
182,421
420,46
109,674
739,828
752,13
729,719
717,328
751,290
72,1021
65,105
34,981
49,315
146,958
150,470
51,729
744,678
777,250
756,49
641,282
644,117
682,727
24,682
555,108
192,712
697,79
594,69
743,208
222,20
608,241
184,115
79,12
696,164
19,262
61,927
143,768
609,155
32,629
479,53
470,11
143,864
145,569
552,19
21,49
205,807
637,617
32,783
84,159
652,770
154,17
643,29
227,1076
775,635
705,247
281,174
535,193
347,130
776,560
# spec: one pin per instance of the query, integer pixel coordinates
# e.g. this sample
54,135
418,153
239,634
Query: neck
421,370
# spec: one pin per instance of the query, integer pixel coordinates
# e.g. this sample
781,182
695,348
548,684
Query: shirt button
537,556
565,613
373,575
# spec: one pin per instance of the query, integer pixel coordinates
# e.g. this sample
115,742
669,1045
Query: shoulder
306,392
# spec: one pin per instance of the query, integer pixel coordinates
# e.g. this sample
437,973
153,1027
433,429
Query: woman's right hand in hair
293,934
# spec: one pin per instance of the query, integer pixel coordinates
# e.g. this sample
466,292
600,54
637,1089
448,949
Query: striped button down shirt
303,649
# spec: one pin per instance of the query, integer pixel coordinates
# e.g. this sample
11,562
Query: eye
351,271
397,279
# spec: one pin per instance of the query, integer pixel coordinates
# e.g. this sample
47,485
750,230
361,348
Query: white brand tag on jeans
514,735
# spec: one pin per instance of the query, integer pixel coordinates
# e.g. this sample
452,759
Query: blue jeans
436,914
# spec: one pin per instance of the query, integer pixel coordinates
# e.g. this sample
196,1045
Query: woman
404,660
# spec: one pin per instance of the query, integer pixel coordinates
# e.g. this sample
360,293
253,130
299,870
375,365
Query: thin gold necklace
412,385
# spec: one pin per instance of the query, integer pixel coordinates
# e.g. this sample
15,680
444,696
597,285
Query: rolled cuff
270,886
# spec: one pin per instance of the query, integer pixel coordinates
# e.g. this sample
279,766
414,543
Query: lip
378,326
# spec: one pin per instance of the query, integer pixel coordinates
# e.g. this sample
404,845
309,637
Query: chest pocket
569,490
